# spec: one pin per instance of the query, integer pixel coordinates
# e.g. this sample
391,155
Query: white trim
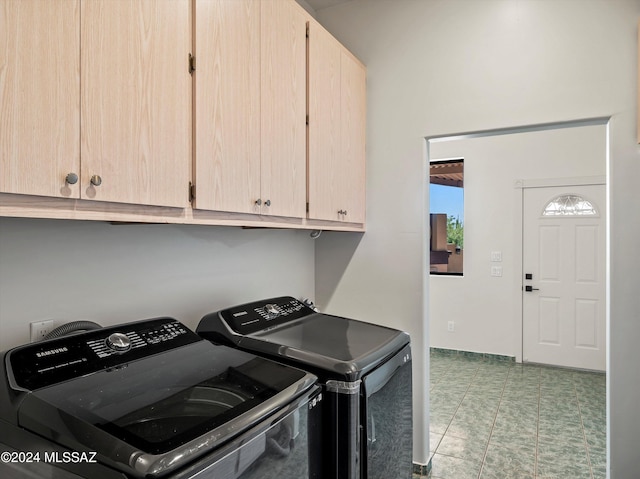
607,285
518,239
423,412
601,120
570,181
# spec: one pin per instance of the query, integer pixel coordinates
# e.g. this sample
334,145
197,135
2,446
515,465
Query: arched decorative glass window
569,205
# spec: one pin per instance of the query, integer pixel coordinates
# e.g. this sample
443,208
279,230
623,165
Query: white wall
71,270
438,67
485,309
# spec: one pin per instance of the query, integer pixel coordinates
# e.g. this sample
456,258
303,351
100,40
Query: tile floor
495,419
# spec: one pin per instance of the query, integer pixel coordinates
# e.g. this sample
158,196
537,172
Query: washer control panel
122,341
47,362
257,316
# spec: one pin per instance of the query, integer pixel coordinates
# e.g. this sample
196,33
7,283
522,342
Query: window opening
446,205
569,205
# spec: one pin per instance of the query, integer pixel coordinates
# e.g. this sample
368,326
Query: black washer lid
330,346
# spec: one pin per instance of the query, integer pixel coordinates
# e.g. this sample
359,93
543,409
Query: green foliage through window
455,231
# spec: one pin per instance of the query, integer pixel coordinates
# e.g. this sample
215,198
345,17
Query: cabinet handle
71,178
258,202
96,180
267,203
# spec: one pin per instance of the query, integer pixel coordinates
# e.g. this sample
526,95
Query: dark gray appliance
153,399
365,370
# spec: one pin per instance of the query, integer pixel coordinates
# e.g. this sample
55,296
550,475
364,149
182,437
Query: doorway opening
502,163
487,295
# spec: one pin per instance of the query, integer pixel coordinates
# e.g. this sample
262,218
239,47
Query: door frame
519,189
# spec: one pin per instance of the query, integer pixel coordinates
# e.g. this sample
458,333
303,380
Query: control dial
119,342
272,310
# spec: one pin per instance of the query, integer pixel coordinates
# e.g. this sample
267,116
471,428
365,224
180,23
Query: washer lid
340,346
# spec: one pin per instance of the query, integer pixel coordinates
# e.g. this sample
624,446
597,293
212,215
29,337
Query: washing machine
152,399
364,369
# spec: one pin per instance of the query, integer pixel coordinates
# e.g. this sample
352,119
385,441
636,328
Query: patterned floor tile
471,449
493,419
511,457
434,441
447,467
468,430
489,472
562,468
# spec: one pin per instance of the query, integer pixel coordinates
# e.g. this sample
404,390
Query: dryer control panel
260,315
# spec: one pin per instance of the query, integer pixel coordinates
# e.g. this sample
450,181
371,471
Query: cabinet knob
96,180
71,178
267,203
258,202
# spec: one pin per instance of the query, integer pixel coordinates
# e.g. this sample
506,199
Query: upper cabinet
250,107
337,110
284,108
40,97
234,112
136,102
353,128
96,100
227,105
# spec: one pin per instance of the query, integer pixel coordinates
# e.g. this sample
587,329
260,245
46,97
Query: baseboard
422,469
471,354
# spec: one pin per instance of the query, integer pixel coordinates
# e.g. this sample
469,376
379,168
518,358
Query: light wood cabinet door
325,183
250,107
337,119
227,105
353,101
39,97
136,101
283,109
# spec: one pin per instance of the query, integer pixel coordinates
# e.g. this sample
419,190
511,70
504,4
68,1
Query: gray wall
441,67
70,270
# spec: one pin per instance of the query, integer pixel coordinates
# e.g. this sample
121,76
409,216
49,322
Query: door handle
528,289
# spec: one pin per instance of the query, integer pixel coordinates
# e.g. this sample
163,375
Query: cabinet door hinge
192,192
307,29
307,206
192,64
307,120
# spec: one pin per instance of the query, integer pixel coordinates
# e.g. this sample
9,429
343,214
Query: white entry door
564,276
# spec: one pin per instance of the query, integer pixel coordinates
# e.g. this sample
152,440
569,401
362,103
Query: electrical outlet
496,271
39,329
451,326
